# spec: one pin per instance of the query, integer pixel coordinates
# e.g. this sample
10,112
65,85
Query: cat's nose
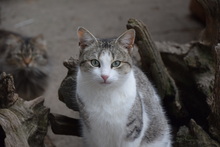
27,61
104,77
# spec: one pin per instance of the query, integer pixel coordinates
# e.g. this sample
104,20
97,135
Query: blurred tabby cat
26,59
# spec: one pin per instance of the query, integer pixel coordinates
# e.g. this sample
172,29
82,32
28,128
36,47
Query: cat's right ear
126,40
85,38
12,40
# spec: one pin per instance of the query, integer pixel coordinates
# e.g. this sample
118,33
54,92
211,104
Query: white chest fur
108,108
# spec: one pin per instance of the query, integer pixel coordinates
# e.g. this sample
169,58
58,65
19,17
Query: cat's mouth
105,83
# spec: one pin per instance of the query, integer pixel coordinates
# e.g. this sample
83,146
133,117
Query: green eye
95,63
116,63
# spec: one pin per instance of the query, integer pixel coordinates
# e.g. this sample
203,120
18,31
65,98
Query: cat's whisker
88,82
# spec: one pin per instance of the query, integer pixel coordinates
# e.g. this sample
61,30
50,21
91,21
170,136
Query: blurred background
167,20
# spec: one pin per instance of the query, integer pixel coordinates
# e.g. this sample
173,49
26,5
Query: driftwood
65,125
152,61
22,123
67,88
155,69
197,10
214,100
62,124
194,136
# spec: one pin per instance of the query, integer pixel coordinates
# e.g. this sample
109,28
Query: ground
58,21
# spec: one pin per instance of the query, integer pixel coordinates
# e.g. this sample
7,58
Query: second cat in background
26,58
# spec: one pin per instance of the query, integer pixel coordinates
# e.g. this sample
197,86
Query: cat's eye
16,55
95,63
116,63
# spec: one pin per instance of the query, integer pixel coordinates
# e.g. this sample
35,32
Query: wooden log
194,136
202,61
7,91
67,88
151,61
64,125
155,69
210,35
197,10
194,73
214,100
23,123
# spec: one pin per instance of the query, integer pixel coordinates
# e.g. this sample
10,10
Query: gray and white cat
118,105
26,59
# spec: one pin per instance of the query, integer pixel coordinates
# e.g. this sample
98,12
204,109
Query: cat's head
25,53
103,61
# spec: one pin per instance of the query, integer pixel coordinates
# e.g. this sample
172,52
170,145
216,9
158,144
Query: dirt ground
58,21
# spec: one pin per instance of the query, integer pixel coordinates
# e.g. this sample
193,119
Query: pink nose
104,77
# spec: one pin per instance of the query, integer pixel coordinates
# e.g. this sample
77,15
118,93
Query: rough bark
7,88
194,136
210,35
200,85
65,125
197,10
23,123
67,88
214,100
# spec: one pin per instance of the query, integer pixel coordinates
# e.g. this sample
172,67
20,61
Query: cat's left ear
85,38
126,40
13,40
39,39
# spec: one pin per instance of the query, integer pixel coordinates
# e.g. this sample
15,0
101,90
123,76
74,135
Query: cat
118,105
26,58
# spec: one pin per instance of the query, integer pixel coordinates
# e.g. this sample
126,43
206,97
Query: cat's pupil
95,63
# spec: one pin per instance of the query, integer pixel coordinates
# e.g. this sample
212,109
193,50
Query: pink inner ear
85,38
39,40
80,34
127,39
12,40
127,42
82,45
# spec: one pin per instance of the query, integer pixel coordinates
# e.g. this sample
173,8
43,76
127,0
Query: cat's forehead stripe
27,46
105,54
106,43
